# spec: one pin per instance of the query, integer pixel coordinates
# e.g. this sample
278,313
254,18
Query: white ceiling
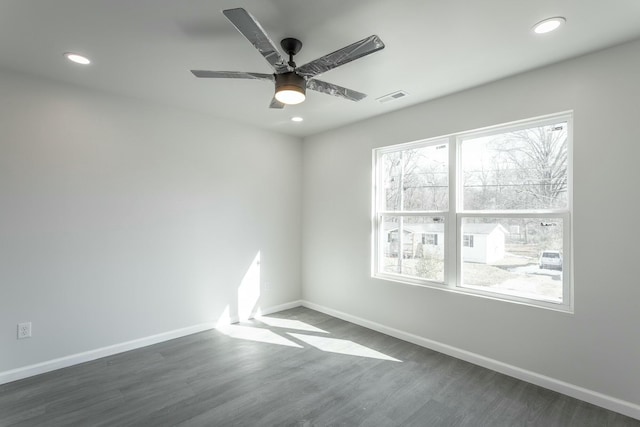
145,48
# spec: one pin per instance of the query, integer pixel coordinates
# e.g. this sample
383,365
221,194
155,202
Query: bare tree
400,170
414,181
538,160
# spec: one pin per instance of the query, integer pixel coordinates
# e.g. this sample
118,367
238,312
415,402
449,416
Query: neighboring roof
417,228
473,228
476,228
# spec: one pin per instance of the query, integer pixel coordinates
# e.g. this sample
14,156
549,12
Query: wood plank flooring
339,374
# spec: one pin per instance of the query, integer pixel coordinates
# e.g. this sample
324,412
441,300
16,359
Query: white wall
120,219
596,348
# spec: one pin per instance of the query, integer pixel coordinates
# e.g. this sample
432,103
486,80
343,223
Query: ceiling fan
290,80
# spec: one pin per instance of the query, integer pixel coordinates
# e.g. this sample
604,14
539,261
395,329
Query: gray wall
597,347
120,219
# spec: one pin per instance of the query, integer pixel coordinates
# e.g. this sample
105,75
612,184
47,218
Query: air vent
392,97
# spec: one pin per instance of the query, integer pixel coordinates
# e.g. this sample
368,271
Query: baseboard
277,308
608,402
87,356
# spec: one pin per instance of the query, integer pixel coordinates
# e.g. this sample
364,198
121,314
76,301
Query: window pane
413,246
514,256
392,179
417,179
524,169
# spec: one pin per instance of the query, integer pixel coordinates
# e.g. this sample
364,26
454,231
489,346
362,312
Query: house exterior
481,243
416,238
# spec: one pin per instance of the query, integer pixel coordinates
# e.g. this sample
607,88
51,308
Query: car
551,260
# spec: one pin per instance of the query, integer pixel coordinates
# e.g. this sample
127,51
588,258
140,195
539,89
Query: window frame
453,217
379,212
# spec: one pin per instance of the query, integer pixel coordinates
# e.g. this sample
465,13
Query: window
413,196
484,212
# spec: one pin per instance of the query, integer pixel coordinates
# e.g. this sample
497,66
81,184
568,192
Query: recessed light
78,59
296,119
549,24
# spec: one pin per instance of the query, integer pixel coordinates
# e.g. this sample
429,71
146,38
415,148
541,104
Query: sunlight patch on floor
256,334
289,324
335,345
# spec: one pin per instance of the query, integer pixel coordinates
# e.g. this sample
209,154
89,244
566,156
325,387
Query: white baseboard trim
277,308
608,402
87,356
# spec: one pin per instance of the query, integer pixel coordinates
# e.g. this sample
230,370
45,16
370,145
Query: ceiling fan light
290,88
290,96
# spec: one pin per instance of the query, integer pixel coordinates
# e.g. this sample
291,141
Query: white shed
483,243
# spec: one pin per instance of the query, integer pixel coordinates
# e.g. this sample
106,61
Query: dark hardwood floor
295,368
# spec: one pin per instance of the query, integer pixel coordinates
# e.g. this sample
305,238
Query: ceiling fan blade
232,75
342,56
335,90
251,29
276,104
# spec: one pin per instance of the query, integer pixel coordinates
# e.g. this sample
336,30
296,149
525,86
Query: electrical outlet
24,330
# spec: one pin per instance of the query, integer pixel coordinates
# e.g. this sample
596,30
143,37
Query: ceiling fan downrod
291,47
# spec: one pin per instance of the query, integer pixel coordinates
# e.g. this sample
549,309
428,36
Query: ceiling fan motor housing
290,81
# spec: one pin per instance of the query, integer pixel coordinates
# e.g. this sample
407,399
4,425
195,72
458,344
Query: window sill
503,297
